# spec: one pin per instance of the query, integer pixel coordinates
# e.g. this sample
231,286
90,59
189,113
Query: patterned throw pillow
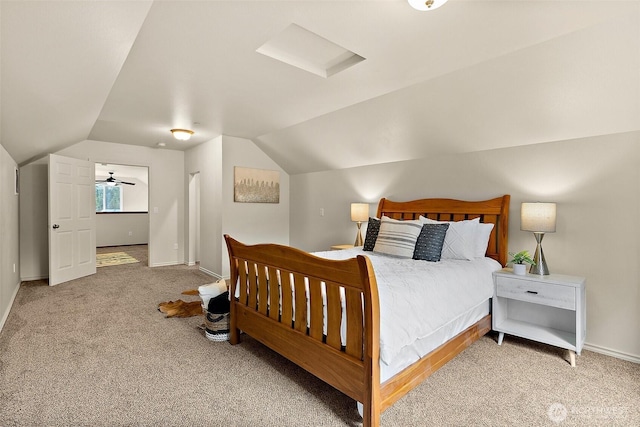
397,238
372,234
430,241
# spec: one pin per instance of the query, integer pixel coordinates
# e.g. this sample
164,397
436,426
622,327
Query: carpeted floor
96,351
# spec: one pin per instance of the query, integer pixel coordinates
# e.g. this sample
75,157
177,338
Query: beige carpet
97,352
114,258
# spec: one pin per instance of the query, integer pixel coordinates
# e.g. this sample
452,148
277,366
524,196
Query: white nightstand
550,309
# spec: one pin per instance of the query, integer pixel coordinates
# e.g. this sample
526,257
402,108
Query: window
108,198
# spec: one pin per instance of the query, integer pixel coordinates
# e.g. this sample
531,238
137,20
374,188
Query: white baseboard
613,353
165,264
210,273
5,315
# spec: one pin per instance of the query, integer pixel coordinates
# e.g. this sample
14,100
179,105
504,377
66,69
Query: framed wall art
256,185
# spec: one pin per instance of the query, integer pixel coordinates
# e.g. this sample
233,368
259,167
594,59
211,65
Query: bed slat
300,303
287,299
242,270
253,285
262,289
274,293
315,306
334,315
353,300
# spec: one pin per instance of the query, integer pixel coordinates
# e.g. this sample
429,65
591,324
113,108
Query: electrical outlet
175,246
131,233
321,211
14,267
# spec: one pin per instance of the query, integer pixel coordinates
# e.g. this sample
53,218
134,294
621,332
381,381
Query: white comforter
419,297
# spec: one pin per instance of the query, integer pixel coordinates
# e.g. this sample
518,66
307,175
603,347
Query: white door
72,219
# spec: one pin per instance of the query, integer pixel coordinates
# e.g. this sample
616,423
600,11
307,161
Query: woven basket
216,326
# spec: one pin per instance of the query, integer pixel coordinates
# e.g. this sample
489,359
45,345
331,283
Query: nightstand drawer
539,293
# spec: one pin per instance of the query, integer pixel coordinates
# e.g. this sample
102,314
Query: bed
324,314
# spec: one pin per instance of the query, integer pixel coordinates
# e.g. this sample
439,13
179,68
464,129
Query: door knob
55,226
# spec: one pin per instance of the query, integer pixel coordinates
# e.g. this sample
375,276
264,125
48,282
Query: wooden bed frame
298,284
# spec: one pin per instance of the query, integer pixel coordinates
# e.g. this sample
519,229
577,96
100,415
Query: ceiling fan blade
125,182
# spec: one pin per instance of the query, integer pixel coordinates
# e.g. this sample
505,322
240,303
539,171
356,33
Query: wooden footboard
291,301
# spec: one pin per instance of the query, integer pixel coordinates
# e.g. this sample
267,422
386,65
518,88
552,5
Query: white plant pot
520,269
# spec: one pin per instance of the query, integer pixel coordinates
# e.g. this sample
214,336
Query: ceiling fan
113,181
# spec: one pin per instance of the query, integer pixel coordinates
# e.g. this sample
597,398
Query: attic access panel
299,47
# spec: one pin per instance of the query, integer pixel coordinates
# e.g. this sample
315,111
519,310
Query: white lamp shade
538,217
424,5
359,212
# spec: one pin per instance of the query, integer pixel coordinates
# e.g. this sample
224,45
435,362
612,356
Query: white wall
135,197
116,229
206,159
9,240
594,181
251,222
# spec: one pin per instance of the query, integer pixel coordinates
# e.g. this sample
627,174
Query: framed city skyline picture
256,185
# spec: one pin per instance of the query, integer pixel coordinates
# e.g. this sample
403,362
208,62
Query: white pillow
483,233
397,238
460,241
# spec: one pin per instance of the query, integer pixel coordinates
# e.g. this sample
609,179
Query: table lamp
539,218
359,214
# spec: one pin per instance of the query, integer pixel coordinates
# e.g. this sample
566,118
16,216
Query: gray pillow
430,241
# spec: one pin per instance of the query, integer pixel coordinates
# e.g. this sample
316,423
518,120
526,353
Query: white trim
190,264
613,353
6,313
165,264
210,273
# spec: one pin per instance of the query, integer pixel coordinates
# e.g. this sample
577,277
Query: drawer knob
532,292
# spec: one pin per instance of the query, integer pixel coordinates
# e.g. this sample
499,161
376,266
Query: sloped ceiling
471,75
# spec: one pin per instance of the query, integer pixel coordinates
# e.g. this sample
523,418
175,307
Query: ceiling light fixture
424,5
182,134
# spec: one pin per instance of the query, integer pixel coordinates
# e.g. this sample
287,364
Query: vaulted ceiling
471,75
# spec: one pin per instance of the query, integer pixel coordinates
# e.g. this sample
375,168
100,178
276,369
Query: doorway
122,206
194,219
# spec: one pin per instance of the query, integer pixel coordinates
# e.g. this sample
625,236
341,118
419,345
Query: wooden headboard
495,211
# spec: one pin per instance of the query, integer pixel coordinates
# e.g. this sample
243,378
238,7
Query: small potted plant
519,261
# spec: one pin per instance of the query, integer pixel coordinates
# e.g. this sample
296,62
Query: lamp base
358,241
540,267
